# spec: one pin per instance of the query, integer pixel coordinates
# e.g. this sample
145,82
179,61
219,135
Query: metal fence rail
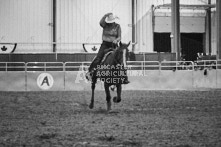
131,65
20,76
45,66
12,66
211,64
177,65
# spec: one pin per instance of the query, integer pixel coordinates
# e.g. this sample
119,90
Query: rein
124,57
116,59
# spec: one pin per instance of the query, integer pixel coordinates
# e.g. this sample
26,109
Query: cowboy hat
111,18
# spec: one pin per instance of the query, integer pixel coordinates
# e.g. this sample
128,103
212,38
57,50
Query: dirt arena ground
142,119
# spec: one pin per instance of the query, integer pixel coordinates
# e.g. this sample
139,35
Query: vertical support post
175,28
54,25
218,39
153,23
26,77
133,24
208,30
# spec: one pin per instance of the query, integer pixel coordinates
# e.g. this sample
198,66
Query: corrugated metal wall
213,34
144,26
187,24
78,21
26,21
144,36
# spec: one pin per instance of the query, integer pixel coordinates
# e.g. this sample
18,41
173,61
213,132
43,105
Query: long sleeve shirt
111,31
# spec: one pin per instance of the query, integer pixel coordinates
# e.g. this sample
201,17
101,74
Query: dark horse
111,72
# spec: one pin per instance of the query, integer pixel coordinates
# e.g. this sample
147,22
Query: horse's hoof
91,106
116,99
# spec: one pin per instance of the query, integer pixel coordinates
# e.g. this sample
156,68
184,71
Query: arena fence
144,75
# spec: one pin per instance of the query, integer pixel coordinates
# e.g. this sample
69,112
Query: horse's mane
119,49
114,55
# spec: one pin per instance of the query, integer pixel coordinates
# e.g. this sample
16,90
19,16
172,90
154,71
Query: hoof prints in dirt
47,136
106,138
182,146
144,119
131,143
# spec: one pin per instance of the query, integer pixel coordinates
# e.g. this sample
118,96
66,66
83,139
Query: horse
112,72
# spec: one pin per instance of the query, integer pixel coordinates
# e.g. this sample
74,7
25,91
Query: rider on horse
111,36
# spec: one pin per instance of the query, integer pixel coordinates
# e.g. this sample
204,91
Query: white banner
7,47
91,48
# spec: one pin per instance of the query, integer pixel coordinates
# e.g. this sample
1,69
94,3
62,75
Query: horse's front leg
108,96
91,106
118,98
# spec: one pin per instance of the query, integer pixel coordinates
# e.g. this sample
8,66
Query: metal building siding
78,22
187,2
213,37
187,24
26,21
144,26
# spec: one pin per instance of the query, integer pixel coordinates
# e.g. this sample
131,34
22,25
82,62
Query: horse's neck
109,60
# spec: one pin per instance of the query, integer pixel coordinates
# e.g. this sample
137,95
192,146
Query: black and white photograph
110,73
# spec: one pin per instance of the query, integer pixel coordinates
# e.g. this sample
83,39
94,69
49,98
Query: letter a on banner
45,81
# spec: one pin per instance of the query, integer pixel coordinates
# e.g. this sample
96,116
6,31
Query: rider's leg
96,61
104,48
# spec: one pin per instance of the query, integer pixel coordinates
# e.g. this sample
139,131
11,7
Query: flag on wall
7,47
91,47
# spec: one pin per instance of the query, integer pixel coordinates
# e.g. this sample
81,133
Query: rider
111,36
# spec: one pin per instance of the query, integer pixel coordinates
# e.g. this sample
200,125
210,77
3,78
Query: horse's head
122,53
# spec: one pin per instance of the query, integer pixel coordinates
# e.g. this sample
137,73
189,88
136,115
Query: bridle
117,59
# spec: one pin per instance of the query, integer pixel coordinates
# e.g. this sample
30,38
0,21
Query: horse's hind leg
118,98
91,106
108,96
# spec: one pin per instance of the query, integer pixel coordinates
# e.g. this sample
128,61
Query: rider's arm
118,39
102,21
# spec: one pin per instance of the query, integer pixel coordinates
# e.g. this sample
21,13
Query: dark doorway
162,42
191,44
